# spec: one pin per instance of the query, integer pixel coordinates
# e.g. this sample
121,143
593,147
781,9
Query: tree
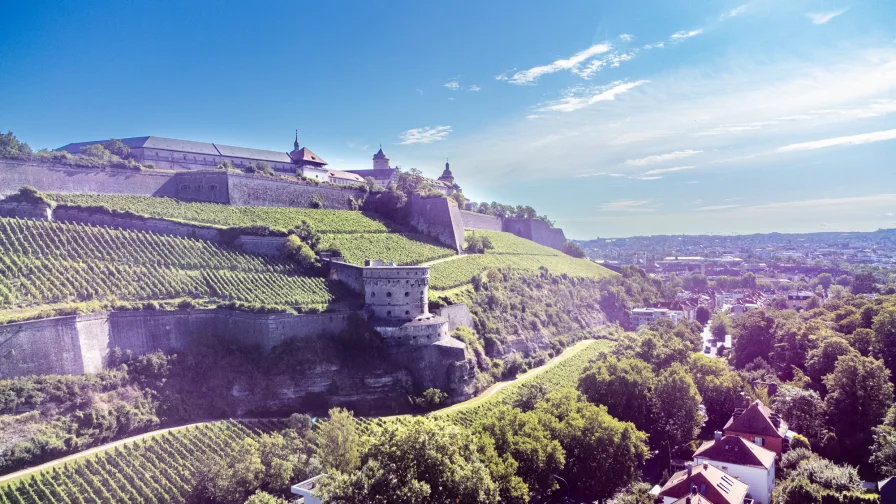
95,151
867,342
883,451
703,315
237,475
720,326
338,442
676,408
863,283
623,386
524,437
884,326
753,337
719,387
573,249
803,410
823,359
585,430
825,280
118,148
425,459
260,497
12,148
299,252
859,395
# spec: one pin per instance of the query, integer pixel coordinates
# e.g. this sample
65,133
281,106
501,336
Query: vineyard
157,469
48,262
324,221
510,250
358,235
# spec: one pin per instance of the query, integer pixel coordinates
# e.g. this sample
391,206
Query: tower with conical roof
447,176
380,161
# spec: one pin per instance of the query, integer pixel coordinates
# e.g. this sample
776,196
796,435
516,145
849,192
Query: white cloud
824,17
627,206
626,37
657,158
474,87
673,169
876,136
533,116
453,85
612,60
655,46
531,75
682,35
717,207
425,135
590,97
733,12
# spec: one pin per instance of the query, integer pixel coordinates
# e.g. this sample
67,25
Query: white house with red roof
706,482
746,461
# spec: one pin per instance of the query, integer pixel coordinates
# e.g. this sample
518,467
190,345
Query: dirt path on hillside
449,258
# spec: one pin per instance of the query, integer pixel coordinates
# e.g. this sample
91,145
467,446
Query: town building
797,300
174,154
707,482
306,490
759,425
383,174
746,461
642,316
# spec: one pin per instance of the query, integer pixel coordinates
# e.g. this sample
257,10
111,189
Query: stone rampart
81,343
536,230
246,190
99,217
349,274
62,179
25,211
440,218
474,220
261,245
458,315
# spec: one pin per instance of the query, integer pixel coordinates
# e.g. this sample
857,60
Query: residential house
760,425
797,300
746,461
642,316
706,482
306,490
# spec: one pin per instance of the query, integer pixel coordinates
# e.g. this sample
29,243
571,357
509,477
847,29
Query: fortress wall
458,315
160,226
206,186
440,218
349,274
262,245
61,179
474,220
80,344
255,191
536,230
25,211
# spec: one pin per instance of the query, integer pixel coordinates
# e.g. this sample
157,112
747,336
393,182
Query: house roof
757,419
247,153
305,154
379,154
736,450
715,485
694,499
347,176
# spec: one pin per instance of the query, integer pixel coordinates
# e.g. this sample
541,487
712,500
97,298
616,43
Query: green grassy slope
510,250
50,262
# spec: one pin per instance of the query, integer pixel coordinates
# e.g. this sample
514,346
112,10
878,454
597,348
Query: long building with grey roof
174,154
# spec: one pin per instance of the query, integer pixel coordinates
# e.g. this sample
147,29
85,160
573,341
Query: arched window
388,294
407,294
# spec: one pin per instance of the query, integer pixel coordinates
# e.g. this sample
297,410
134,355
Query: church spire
296,144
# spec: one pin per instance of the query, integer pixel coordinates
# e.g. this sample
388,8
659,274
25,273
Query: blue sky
614,118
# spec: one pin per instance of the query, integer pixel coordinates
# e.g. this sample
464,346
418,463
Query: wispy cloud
474,87
684,34
579,100
673,169
425,135
453,85
628,206
824,17
733,12
658,158
611,60
625,37
717,207
655,46
533,116
876,136
531,75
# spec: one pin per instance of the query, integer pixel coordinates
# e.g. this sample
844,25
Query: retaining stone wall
458,315
536,230
474,220
440,218
254,191
160,226
25,211
55,178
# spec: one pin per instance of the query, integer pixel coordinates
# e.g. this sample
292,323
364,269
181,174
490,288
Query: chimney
737,412
718,435
690,467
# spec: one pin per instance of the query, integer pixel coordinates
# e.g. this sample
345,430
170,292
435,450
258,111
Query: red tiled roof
736,450
757,419
712,483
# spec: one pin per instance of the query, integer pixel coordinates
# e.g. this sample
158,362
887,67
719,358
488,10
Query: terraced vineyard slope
50,262
160,469
510,250
358,235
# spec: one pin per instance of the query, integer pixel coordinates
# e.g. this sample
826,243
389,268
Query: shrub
573,249
299,252
317,202
800,442
27,195
118,148
12,148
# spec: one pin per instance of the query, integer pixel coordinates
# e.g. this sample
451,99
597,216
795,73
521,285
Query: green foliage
677,403
703,314
859,395
883,451
624,386
300,253
821,361
430,400
338,443
799,441
12,148
719,386
573,249
51,262
117,148
753,337
28,195
803,410
261,497
478,244
402,248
